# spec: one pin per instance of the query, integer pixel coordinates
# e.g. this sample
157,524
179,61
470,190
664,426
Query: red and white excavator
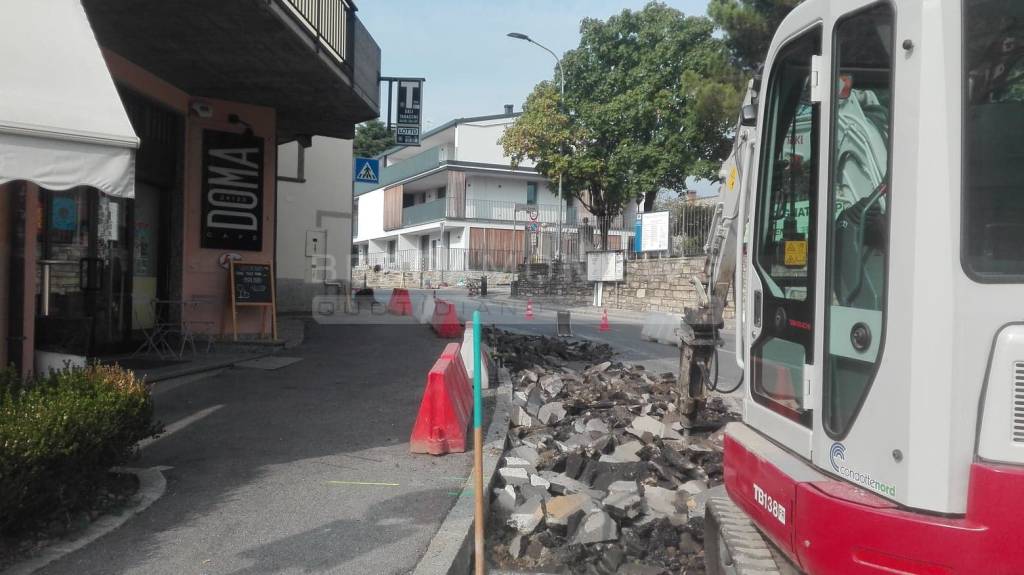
877,182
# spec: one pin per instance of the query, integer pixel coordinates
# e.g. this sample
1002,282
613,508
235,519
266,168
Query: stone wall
363,275
565,281
659,285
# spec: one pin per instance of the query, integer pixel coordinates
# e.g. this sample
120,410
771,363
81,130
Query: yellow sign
731,182
796,253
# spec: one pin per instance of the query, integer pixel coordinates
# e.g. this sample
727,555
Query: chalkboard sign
252,283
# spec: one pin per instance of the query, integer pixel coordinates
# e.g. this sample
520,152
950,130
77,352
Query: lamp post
561,100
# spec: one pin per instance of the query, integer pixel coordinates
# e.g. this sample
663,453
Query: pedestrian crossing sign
367,170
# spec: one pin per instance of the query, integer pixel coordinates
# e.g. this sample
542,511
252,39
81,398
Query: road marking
179,425
337,482
166,385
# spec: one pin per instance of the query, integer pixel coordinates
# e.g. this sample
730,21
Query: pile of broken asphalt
605,473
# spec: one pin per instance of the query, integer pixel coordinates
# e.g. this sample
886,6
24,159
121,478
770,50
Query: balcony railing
505,211
422,162
330,22
422,213
443,259
500,211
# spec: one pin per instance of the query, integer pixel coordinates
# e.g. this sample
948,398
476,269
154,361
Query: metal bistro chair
188,329
156,335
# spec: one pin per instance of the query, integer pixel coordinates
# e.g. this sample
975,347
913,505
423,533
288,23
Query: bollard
483,286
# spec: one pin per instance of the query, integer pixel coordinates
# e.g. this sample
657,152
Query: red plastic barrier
400,304
446,321
442,422
453,351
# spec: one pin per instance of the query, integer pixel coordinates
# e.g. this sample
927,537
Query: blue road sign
367,170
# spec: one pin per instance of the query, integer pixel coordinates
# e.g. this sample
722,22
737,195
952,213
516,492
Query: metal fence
689,227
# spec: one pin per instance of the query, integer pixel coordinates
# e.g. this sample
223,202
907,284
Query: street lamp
561,99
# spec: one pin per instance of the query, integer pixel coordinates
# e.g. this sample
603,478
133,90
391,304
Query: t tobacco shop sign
232,191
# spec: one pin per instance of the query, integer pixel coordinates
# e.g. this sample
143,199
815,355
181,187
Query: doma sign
232,191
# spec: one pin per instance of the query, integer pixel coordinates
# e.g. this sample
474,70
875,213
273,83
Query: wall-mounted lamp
202,109
234,119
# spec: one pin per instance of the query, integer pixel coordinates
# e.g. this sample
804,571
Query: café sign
232,202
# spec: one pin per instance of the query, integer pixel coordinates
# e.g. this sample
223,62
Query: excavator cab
880,324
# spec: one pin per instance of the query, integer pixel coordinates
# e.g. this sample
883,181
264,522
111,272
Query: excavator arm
722,263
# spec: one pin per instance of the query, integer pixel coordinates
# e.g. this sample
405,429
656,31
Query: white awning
62,123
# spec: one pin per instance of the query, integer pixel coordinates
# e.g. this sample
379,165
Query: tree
749,26
371,139
650,98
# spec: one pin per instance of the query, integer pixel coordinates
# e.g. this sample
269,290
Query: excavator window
785,231
993,181
859,203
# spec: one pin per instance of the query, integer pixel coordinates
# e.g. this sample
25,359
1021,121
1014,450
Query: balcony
505,211
498,211
420,163
311,60
423,213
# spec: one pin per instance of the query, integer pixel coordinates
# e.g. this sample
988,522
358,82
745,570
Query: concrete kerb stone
152,486
451,550
661,327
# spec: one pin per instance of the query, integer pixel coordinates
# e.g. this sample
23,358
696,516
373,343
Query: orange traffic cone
604,322
529,309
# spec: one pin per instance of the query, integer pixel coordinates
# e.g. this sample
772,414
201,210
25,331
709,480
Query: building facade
457,204
314,213
211,89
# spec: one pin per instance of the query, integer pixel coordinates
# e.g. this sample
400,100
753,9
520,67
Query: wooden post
273,301
231,296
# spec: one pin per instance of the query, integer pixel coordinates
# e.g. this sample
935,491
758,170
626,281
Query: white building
314,221
455,203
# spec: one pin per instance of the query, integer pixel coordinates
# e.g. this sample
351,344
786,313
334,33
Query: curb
451,549
187,371
152,486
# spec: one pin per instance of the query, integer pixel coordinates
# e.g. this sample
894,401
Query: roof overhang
62,123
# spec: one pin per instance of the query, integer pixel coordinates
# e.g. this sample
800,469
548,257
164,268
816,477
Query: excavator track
734,546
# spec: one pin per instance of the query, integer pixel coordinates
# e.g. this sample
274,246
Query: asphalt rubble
604,474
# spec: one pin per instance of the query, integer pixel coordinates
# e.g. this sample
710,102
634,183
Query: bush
60,435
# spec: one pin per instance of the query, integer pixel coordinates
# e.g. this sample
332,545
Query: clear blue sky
460,47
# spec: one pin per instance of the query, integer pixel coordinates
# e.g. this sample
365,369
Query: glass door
83,279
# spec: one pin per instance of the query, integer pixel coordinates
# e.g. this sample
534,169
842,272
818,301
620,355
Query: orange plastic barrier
443,418
400,304
446,321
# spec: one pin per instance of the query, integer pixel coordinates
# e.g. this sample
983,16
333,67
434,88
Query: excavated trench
605,473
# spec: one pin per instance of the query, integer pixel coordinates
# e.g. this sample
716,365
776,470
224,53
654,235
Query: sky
471,67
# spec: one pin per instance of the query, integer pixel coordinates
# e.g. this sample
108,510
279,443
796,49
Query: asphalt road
623,334
301,470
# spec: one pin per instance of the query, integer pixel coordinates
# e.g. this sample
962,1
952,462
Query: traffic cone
604,321
529,309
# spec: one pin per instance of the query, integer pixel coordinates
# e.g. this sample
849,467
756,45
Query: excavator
871,227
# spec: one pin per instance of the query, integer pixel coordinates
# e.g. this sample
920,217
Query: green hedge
61,434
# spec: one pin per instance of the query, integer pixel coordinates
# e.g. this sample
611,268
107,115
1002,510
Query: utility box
316,243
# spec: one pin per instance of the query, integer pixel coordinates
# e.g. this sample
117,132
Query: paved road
623,333
265,474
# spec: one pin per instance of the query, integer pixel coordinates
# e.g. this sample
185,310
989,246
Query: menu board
251,283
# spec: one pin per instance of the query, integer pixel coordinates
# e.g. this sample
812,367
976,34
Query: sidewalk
303,469
154,369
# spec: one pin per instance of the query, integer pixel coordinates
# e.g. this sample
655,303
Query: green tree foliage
650,99
372,138
749,26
